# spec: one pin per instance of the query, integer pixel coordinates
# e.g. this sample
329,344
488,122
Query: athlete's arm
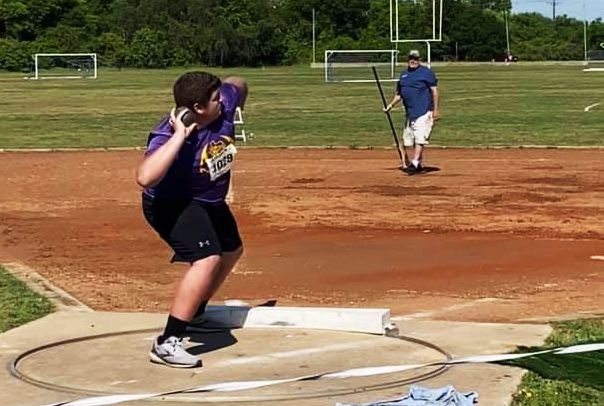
241,85
155,166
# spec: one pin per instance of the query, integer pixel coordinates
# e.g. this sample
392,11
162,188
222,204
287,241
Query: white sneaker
171,353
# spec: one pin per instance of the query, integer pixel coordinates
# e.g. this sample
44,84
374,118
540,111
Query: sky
572,8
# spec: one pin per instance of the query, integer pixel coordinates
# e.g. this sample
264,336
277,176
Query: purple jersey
201,170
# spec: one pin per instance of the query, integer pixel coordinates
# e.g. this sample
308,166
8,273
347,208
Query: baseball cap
414,54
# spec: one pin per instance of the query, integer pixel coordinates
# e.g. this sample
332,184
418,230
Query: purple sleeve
155,141
230,99
159,135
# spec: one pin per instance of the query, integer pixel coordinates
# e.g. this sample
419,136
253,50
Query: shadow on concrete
209,341
212,335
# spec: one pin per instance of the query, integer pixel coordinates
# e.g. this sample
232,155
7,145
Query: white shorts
417,132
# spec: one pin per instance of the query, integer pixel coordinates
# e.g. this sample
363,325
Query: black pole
398,145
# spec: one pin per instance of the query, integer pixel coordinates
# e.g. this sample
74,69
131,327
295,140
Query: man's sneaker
171,353
414,170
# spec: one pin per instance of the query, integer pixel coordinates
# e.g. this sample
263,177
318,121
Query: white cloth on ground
420,396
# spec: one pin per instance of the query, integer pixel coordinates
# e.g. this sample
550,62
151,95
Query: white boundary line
590,106
277,356
474,98
349,373
423,315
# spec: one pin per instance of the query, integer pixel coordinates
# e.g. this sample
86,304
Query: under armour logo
204,243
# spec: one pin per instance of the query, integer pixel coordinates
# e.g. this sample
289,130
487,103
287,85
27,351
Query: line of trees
162,33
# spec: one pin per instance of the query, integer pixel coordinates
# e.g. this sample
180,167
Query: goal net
595,60
64,66
355,65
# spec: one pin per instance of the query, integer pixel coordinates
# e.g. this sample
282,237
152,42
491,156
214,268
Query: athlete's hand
435,115
387,109
178,125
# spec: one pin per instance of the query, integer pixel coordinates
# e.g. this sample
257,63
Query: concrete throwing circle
118,363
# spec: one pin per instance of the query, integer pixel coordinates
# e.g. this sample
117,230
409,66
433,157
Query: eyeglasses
414,58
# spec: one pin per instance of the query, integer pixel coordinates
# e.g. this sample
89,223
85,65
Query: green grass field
18,304
564,380
293,106
480,105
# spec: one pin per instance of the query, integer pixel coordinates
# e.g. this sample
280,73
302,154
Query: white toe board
371,321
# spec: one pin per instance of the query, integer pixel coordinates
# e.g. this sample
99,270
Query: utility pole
585,41
507,32
553,3
584,35
313,36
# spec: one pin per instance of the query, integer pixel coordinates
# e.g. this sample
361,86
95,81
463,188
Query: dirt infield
494,235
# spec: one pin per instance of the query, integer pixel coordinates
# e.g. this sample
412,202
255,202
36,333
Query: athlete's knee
207,264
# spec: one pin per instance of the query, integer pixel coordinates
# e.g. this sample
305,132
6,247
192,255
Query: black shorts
194,230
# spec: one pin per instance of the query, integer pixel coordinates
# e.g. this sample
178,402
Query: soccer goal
595,61
355,65
64,66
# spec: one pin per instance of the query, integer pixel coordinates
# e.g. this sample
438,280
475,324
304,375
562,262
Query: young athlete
418,89
185,175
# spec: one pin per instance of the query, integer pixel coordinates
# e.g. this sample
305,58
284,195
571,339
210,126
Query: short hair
195,87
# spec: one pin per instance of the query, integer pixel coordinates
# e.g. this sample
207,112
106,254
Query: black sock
201,309
174,327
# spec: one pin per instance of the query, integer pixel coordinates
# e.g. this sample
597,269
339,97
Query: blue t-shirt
190,175
414,87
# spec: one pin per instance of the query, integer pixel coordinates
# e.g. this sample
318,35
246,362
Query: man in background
417,87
